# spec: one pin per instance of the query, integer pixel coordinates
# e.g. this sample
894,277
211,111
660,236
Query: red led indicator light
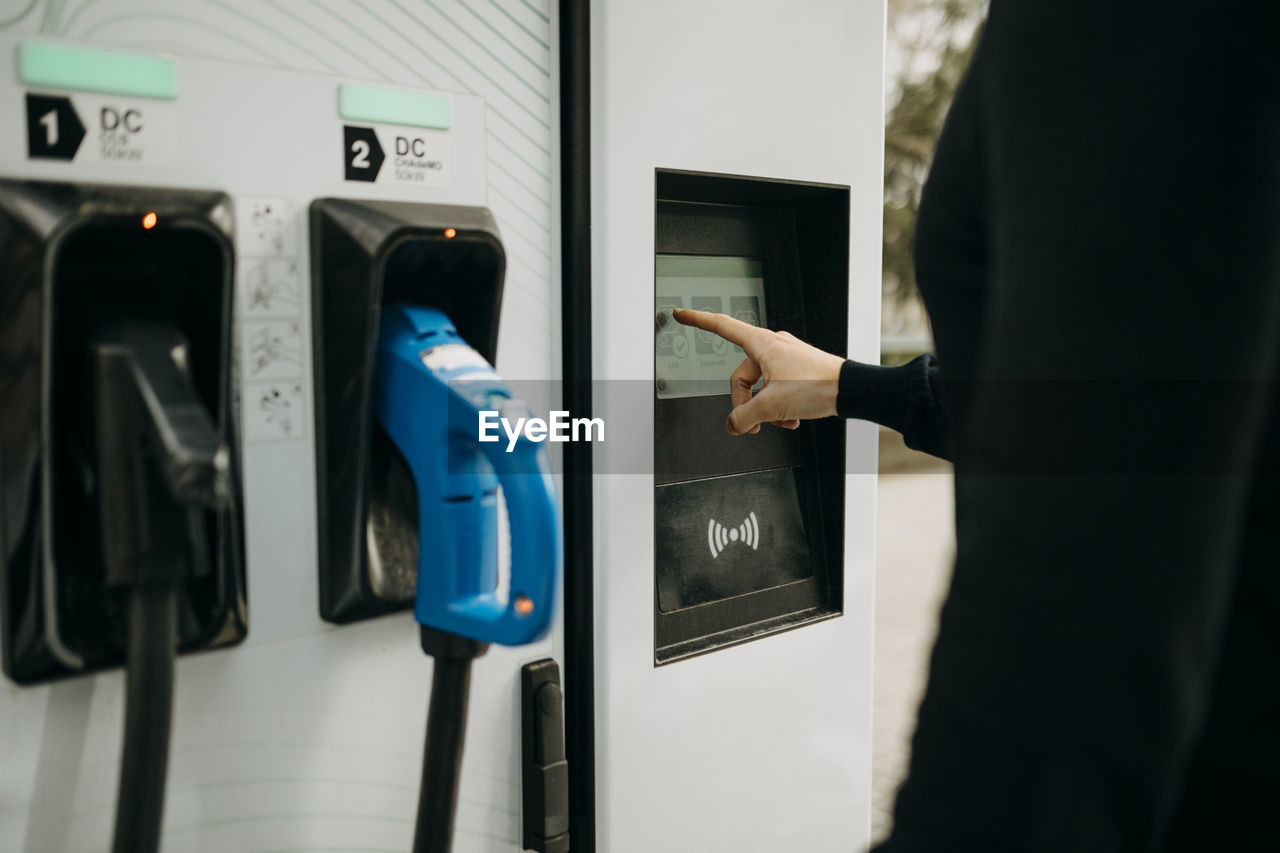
449,234
149,220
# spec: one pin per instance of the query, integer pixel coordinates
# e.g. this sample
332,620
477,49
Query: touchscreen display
690,362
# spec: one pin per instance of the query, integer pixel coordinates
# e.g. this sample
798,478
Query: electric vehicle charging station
306,733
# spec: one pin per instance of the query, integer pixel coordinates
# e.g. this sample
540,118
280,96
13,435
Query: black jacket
1099,250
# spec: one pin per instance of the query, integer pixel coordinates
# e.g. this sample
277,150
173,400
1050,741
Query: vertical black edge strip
575,295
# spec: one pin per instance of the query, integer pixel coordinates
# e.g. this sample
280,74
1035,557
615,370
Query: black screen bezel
800,234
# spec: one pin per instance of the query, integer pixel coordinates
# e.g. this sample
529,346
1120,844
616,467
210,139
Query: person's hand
800,381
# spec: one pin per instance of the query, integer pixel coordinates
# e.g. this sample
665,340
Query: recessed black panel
710,589
365,254
77,256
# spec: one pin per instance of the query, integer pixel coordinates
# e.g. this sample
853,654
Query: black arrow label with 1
54,131
362,154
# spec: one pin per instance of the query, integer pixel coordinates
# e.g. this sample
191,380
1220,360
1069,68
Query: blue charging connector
428,391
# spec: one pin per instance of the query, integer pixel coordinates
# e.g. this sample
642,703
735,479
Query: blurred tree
929,46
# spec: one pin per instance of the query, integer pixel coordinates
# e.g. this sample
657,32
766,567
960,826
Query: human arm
802,382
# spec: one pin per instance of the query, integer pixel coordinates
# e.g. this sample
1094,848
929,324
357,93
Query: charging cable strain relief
443,645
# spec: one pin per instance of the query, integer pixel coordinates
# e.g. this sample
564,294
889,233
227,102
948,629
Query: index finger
731,329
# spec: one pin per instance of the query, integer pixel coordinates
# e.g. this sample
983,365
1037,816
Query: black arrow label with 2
54,131
362,154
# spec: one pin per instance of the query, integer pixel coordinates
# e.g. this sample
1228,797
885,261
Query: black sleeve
902,398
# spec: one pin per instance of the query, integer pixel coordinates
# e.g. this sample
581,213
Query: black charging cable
446,731
144,760
159,460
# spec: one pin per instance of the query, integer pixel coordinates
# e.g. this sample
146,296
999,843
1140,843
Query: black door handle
546,772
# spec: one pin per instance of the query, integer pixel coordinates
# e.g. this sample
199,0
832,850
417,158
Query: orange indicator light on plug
523,605
149,220
450,233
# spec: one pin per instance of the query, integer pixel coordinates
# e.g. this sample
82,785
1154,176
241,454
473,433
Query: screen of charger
690,362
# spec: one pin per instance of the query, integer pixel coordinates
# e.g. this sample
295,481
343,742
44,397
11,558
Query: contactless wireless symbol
718,536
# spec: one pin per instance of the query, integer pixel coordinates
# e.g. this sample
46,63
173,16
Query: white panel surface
308,736
763,746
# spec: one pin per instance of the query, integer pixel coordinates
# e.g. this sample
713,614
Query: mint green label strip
378,105
92,70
